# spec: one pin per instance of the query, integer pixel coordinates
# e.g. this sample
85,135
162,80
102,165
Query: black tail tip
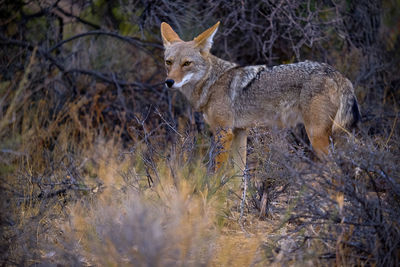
356,114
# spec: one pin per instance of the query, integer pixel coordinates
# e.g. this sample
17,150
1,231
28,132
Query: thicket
101,164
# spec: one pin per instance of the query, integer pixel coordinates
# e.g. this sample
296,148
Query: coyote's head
187,63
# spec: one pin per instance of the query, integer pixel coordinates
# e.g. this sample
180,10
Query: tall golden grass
93,174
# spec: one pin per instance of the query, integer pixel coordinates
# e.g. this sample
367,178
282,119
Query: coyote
234,98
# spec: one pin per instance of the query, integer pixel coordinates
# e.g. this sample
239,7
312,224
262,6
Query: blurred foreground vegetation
101,165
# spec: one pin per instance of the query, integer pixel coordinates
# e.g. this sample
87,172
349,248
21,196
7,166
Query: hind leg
318,119
320,143
319,131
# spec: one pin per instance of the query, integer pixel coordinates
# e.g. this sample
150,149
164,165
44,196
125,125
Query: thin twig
242,203
99,75
130,40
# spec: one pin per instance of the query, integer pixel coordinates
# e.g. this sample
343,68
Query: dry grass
102,203
108,168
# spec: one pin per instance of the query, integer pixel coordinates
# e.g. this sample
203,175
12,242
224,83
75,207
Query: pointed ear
205,40
168,35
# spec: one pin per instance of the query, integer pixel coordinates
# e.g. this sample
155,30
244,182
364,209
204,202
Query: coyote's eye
186,63
168,62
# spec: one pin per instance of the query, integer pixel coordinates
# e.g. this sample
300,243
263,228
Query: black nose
169,83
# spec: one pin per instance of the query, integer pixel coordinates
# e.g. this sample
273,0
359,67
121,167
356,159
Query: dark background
76,72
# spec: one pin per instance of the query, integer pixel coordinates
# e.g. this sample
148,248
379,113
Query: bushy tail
348,115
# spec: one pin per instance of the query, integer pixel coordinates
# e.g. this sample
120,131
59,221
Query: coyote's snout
234,99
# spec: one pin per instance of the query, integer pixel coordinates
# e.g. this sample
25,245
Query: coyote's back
294,93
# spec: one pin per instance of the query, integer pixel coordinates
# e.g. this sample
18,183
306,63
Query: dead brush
89,168
143,230
173,221
344,210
